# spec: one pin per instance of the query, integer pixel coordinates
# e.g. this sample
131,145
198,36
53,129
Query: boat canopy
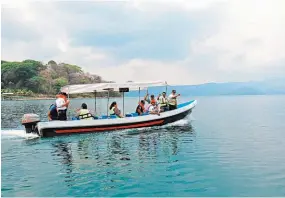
104,87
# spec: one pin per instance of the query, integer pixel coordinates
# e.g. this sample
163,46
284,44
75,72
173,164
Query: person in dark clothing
62,115
52,113
140,108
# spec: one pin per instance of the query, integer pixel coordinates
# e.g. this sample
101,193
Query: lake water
229,146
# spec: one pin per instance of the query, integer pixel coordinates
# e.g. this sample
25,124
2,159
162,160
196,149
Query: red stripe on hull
109,128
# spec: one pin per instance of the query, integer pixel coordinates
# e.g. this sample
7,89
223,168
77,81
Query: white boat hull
56,128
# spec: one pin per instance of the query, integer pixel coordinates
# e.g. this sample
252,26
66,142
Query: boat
107,122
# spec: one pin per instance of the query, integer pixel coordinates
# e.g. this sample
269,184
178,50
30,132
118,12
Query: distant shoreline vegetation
33,79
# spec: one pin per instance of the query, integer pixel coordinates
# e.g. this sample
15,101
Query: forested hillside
31,77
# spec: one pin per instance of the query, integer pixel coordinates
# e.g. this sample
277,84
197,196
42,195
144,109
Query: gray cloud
196,42
14,30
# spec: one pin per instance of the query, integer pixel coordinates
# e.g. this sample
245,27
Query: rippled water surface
229,146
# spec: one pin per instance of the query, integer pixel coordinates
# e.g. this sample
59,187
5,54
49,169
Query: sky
178,41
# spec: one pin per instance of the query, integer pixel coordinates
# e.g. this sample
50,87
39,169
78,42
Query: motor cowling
30,122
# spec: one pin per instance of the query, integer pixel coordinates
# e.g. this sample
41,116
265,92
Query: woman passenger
114,110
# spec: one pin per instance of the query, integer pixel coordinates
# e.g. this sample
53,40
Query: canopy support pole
108,103
68,99
139,94
95,101
123,103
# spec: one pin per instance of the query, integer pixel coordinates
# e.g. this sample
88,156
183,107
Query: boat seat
77,118
129,115
135,114
103,117
113,117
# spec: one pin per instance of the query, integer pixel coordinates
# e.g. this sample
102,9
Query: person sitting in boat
173,100
114,110
84,113
153,108
62,105
152,99
163,102
140,108
52,113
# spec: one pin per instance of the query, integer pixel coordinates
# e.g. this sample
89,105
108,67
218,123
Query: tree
60,82
35,83
31,76
52,62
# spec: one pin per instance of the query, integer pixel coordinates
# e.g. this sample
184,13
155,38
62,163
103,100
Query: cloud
184,42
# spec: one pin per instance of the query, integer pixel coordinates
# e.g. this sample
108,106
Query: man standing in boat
163,102
62,105
172,100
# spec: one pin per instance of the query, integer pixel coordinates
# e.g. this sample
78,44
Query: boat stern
30,122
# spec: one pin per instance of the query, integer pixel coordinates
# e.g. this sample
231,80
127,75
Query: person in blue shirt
52,113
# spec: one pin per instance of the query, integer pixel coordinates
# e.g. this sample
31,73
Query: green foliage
72,69
31,76
60,82
51,62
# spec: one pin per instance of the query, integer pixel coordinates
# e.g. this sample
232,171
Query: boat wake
181,123
16,134
177,123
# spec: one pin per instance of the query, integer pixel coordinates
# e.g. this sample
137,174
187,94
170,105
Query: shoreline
47,98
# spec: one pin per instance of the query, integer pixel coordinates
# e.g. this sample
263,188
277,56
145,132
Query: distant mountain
268,87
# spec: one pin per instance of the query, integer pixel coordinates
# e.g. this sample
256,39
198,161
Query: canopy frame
107,87
103,87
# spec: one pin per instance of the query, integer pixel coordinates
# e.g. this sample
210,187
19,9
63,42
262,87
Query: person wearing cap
62,104
146,98
152,99
172,100
163,101
153,109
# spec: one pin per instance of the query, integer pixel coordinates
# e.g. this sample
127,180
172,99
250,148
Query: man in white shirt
61,105
172,100
153,108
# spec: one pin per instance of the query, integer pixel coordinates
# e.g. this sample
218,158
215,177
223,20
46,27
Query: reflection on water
63,150
92,152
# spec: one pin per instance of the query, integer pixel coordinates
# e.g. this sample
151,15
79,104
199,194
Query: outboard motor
30,122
